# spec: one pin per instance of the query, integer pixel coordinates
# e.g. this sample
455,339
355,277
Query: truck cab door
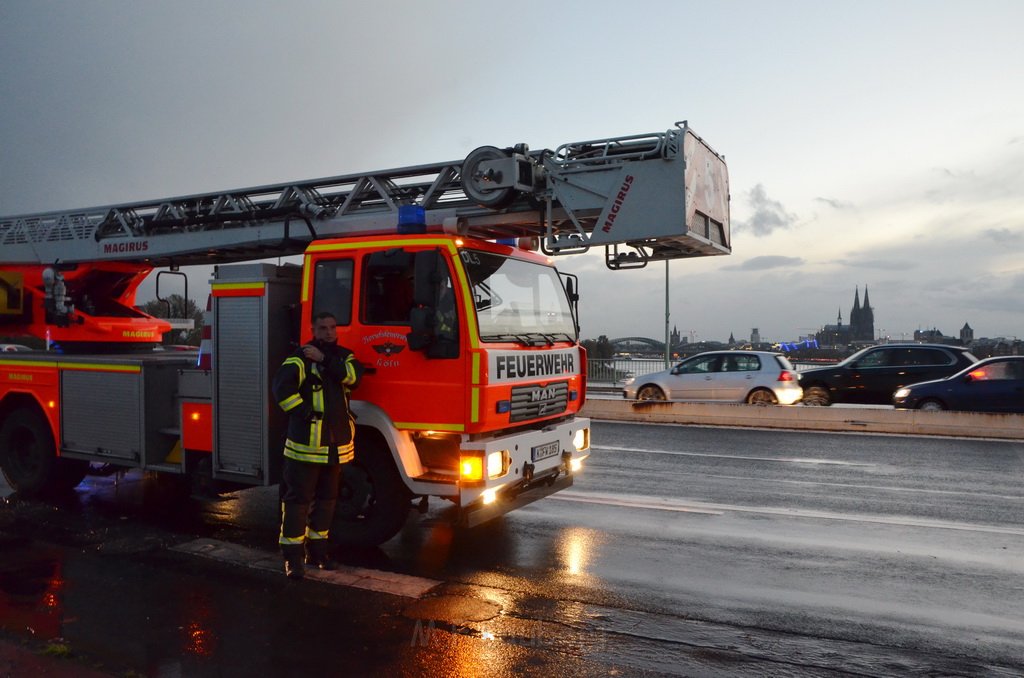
417,390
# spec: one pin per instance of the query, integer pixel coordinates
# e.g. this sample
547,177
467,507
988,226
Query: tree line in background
177,307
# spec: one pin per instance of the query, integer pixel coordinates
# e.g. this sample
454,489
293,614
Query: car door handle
707,378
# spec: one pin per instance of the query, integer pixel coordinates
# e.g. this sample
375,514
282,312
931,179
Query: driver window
878,358
387,287
701,366
332,288
994,372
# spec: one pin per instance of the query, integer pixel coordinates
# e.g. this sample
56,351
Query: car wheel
762,396
817,396
650,392
931,405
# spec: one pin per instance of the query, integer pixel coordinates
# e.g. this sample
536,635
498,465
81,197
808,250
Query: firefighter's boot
293,565
318,555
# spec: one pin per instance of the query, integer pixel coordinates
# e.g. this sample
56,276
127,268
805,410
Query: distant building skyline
859,331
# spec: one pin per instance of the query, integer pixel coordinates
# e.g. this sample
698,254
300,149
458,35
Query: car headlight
901,393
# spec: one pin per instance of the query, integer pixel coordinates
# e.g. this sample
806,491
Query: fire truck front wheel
373,503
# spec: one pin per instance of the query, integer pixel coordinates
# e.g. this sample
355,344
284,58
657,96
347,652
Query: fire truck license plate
544,451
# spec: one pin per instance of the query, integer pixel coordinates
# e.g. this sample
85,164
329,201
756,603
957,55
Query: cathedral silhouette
861,328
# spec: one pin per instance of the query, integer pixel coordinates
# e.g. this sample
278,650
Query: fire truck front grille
539,400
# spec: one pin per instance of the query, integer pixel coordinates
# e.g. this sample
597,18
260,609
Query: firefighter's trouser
309,493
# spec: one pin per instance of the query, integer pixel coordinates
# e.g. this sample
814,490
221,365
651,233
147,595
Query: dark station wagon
872,375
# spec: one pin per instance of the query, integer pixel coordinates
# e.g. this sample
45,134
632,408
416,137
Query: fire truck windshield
517,300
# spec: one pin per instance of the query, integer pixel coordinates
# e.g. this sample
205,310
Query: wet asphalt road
680,551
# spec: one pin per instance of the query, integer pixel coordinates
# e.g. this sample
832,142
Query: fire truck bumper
478,513
520,468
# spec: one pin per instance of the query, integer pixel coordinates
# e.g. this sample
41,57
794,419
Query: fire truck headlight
576,465
489,496
496,463
471,468
581,439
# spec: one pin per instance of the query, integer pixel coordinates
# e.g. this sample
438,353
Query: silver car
755,377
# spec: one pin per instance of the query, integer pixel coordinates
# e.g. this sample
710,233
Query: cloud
769,215
835,204
880,264
1003,236
765,263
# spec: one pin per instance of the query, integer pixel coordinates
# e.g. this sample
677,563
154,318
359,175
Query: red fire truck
442,281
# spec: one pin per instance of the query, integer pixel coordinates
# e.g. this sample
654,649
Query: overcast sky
876,144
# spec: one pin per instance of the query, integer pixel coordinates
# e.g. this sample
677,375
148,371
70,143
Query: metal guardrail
615,371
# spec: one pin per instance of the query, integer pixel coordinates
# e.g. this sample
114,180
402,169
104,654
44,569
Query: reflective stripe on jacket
315,396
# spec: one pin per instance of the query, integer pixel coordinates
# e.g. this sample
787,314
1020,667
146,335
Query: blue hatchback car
991,385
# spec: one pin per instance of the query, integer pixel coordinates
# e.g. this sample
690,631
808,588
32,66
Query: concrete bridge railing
829,419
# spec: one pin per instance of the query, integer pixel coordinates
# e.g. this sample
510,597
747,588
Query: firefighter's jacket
316,398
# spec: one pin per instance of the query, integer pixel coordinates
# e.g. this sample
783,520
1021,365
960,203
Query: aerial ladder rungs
657,196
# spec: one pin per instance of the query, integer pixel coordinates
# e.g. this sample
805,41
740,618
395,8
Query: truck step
437,477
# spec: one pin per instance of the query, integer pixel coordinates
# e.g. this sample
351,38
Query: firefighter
312,386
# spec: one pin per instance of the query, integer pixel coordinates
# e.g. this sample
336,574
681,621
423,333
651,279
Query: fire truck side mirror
426,281
426,287
421,321
570,291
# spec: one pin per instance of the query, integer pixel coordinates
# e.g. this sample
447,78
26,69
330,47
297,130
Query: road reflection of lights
31,597
231,511
503,599
475,658
576,550
200,638
200,641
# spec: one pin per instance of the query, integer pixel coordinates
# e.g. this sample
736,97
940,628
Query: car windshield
517,300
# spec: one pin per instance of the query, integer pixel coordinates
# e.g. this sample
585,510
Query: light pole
667,349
